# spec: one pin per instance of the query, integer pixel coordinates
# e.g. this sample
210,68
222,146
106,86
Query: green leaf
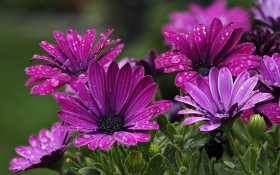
89,171
221,169
163,127
75,169
178,159
170,168
169,153
205,162
180,127
247,158
193,163
70,172
254,156
102,169
144,148
154,165
229,164
172,129
198,141
264,161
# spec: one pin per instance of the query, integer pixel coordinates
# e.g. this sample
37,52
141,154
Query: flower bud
154,149
134,162
256,127
183,170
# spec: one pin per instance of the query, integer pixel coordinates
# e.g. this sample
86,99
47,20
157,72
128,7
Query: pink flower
183,22
195,54
115,107
70,60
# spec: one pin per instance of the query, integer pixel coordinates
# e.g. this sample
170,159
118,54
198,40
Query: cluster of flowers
112,101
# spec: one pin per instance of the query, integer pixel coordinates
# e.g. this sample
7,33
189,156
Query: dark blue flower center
110,124
221,111
203,71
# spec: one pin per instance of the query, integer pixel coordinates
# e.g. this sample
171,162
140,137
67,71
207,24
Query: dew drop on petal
175,59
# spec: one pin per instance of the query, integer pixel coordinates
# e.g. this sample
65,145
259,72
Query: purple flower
266,42
71,60
268,12
214,47
183,22
269,78
45,152
115,107
221,101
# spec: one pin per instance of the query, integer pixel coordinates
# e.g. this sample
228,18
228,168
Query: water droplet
44,43
249,62
175,59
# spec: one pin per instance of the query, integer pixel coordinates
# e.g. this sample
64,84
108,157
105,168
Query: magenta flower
214,47
269,78
46,150
268,12
183,22
221,101
71,60
115,107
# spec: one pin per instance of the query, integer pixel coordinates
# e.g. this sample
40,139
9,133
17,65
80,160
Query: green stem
256,144
233,146
119,159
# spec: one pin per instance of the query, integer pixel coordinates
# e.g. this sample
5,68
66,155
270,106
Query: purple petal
83,93
271,110
200,97
74,41
201,35
122,87
177,68
230,44
148,125
142,136
190,111
141,101
180,42
187,100
137,75
28,152
213,82
238,63
54,51
244,76
35,89
125,137
221,40
47,58
47,87
184,76
257,98
100,44
142,115
106,141
77,120
191,120
34,79
86,45
110,55
110,84
42,70
62,42
247,48
96,83
87,138
245,89
204,87
215,28
172,58
225,84
209,127
163,105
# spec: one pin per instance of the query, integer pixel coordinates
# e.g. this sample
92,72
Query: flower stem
119,162
233,146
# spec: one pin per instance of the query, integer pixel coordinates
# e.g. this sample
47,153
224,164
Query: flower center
204,71
110,124
221,111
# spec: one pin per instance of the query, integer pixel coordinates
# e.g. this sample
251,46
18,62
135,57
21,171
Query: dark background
24,23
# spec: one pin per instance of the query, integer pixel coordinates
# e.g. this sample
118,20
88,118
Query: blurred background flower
24,24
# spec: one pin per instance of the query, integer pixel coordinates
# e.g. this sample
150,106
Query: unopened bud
256,127
213,159
154,149
134,162
183,170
